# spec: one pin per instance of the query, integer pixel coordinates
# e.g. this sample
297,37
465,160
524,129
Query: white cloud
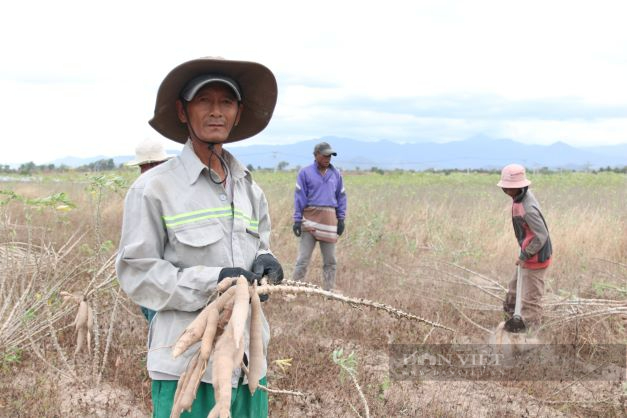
608,131
80,78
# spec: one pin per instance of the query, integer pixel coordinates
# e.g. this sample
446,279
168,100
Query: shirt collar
236,169
194,167
315,165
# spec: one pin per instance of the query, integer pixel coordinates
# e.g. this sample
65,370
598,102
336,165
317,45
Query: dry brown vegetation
440,247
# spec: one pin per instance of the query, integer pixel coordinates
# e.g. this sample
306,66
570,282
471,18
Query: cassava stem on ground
310,290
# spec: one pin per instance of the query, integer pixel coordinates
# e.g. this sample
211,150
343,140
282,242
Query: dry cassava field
434,245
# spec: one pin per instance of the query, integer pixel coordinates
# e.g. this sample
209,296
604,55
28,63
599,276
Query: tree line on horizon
108,164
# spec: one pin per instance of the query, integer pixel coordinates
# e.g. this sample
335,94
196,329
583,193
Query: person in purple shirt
319,213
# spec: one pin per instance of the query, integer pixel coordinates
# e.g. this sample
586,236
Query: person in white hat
149,153
199,218
533,238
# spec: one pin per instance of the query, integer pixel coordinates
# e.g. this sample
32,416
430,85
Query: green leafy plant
10,357
383,386
98,187
56,200
348,366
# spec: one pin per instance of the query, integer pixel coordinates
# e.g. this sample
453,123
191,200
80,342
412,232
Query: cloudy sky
80,78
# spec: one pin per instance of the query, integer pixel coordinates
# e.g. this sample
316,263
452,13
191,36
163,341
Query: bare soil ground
313,369
404,234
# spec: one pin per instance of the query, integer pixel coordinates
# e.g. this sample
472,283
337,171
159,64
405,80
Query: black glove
340,226
238,271
268,265
297,228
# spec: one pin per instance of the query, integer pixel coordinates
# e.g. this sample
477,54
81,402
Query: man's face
323,160
511,192
212,113
147,166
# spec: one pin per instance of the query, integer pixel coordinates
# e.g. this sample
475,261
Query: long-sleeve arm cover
536,223
300,195
341,198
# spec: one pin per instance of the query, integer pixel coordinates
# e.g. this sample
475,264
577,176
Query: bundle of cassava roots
220,327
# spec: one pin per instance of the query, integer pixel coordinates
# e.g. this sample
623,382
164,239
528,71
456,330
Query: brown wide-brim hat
256,82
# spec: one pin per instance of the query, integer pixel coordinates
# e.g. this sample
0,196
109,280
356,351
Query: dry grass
440,247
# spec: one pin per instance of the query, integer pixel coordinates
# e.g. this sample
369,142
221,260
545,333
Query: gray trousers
532,292
305,250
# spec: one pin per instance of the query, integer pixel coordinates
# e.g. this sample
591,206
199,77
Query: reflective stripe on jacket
179,230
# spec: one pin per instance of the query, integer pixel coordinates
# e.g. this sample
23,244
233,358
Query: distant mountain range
478,152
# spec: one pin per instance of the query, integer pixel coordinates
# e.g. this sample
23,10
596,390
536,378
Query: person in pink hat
533,238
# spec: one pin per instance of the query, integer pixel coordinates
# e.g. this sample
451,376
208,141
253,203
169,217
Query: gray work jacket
179,230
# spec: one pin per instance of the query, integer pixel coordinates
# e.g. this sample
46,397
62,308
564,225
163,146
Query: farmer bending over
535,246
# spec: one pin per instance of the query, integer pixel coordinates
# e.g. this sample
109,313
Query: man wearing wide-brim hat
199,218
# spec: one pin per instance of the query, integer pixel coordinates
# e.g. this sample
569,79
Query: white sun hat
149,150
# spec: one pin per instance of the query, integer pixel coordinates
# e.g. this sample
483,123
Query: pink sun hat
513,176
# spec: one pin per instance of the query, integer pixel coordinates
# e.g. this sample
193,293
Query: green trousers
243,405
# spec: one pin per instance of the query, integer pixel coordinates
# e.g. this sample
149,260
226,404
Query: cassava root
219,327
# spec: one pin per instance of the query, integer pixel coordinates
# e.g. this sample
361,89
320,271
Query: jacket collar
194,167
520,196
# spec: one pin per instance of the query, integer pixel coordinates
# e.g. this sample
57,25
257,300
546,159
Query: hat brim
155,160
259,96
513,184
